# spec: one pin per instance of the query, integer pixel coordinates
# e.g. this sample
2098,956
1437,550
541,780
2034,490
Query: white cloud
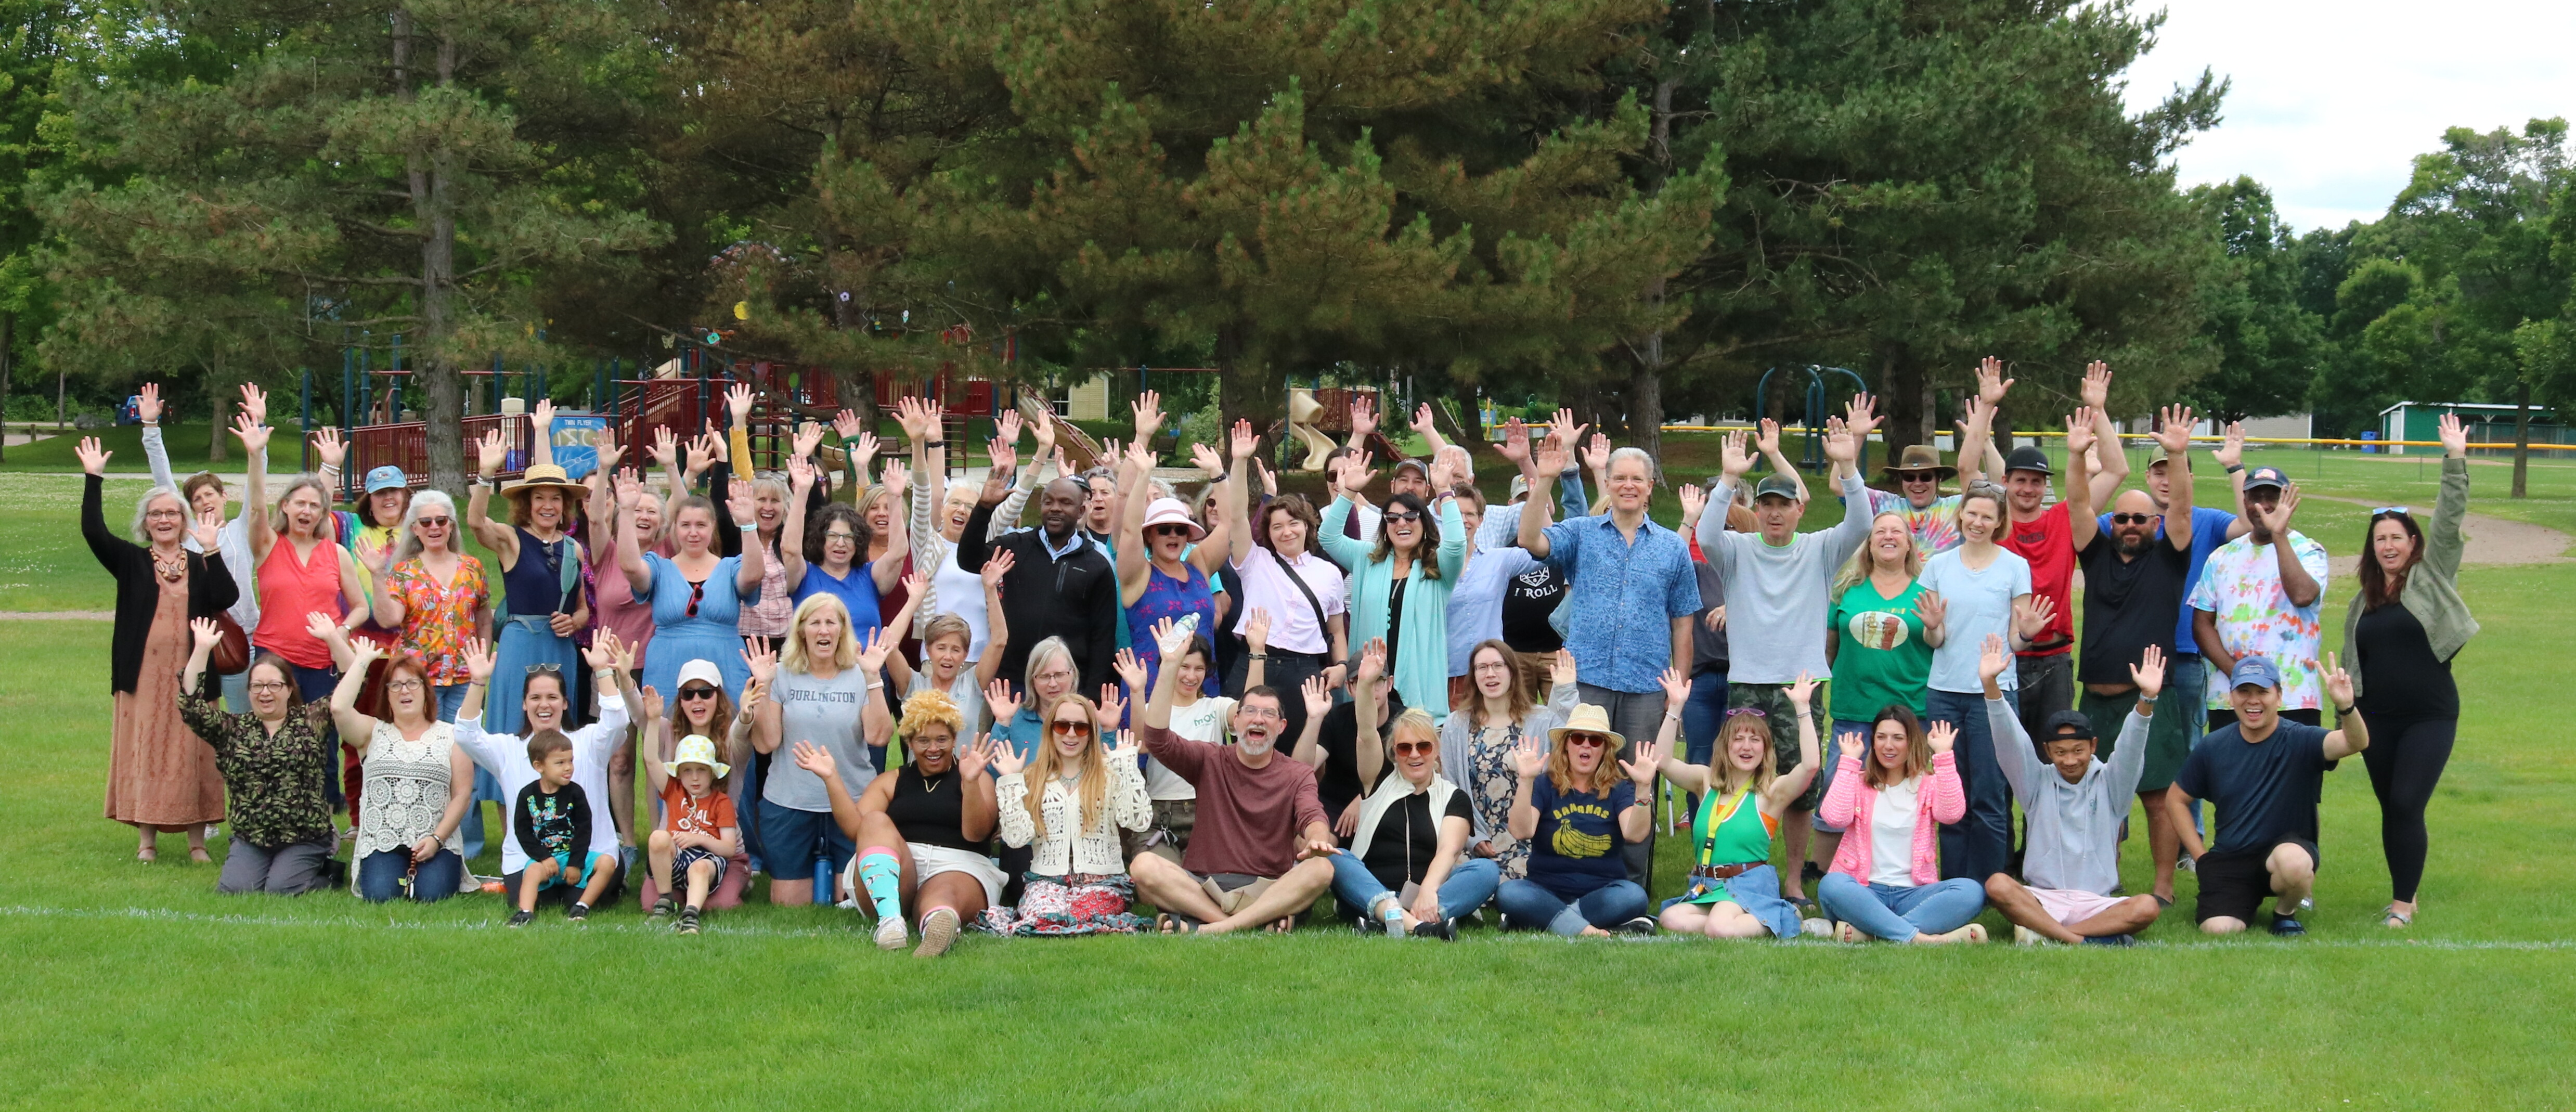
2332,100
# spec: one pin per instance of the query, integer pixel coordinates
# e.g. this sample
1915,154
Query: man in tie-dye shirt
2257,597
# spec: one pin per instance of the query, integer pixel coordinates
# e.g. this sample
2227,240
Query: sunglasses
548,669
438,522
1409,748
1589,740
1398,516
2409,511
697,594
692,694
1068,727
1169,531
1917,477
1754,711
2131,519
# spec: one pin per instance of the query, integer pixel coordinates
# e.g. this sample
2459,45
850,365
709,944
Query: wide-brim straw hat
1588,718
1919,457
540,477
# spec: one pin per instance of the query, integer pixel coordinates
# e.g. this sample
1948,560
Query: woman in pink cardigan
1886,881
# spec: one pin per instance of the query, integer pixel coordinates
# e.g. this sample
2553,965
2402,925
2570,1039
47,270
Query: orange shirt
708,814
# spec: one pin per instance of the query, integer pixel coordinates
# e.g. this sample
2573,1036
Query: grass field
139,987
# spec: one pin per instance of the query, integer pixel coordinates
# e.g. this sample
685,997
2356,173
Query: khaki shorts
1234,891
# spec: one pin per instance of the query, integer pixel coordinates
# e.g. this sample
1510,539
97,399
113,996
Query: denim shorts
791,840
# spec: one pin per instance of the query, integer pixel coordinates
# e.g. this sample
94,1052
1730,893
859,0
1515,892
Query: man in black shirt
2133,590
2263,774
1333,752
1059,585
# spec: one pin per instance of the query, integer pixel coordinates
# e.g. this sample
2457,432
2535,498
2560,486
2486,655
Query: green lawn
140,987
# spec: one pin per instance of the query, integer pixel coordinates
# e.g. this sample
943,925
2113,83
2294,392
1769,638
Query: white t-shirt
505,756
1975,603
1891,834
1205,720
964,693
961,592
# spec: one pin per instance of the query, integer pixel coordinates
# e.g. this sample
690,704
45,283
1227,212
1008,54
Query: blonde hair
1092,787
931,707
1560,768
1415,721
1860,565
844,655
321,492
1723,778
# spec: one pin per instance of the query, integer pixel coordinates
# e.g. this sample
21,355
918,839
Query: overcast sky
2332,99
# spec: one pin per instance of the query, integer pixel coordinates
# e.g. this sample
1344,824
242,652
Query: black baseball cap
2266,477
2066,725
2028,457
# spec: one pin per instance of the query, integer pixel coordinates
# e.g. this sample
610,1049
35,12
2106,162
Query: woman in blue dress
696,595
1160,575
542,606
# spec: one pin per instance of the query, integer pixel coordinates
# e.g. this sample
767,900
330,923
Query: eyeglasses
2409,511
150,514
1493,666
840,535
404,685
692,694
269,685
1053,674
1400,516
2131,519
1261,712
1589,740
1754,711
1409,748
1069,727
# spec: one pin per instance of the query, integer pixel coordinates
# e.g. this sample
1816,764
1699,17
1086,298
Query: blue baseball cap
387,477
2254,671
2266,477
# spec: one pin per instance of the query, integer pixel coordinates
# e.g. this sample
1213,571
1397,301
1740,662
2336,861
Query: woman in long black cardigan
160,778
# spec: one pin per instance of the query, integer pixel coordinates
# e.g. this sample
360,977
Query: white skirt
929,861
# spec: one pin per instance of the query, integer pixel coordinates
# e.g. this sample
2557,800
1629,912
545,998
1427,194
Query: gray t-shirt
825,712
1974,604
1778,597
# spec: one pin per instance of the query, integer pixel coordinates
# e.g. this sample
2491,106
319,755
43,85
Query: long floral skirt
1076,903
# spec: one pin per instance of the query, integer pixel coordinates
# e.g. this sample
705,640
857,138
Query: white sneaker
891,935
848,903
1816,928
2024,936
938,932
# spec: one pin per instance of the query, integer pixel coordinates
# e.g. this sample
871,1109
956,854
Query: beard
2134,545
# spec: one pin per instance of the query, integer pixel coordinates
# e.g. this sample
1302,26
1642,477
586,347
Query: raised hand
1641,771
477,654
1148,409
1991,383
542,417
815,759
1694,503
320,626
609,453
208,530
897,477
744,509
1732,458
1001,699
1008,428
1934,612
489,453
754,693
1766,437
1677,688
1004,454
1423,423
1442,475
1561,670
252,433
996,566
874,651
1130,668
603,650
2173,429
205,634
363,652
760,658
93,459
1993,658
1563,430
2031,614
147,403
328,445
800,476
1113,707
809,436
1005,758
1256,629
1363,414
974,758
2455,436
1840,445
1802,693
1372,661
1596,453
2149,672
255,402
651,701
917,582
738,399
1318,693
2338,682
2231,446
1269,478
2096,391
1172,637
1551,457
630,489
2277,519
1244,443
2079,431
1531,758
1515,446
847,424
1941,735
1860,415
1045,435
1356,472
1208,460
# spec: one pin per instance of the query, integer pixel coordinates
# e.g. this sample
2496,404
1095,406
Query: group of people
1226,701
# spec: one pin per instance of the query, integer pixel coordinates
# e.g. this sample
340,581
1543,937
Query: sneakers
662,907
2184,863
579,913
938,933
2112,940
1640,926
688,923
2288,926
2024,936
1445,930
891,935
522,918
1816,928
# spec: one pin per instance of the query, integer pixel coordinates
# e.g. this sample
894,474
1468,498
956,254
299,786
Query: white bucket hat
696,749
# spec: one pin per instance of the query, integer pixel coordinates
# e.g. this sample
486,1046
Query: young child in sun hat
699,830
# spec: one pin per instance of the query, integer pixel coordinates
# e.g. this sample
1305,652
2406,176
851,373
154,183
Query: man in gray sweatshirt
2073,805
1779,598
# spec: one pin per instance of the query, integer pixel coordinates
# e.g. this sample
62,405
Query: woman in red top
301,571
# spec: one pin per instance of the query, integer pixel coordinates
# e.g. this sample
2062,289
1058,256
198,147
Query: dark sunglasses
2131,519
1595,740
1403,515
1070,728
1409,748
697,593
1169,531
441,522
691,694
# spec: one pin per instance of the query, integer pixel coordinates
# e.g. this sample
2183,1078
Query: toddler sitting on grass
699,830
551,818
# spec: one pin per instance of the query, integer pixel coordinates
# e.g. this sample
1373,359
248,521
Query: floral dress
439,618
1494,778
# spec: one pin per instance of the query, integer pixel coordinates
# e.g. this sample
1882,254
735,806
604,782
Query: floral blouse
438,618
274,782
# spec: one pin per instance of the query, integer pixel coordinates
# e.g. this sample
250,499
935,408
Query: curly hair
930,707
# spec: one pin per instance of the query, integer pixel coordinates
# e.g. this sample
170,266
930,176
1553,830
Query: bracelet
1258,656
2345,712
2234,468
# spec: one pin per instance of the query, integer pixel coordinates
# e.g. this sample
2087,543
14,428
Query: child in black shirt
551,818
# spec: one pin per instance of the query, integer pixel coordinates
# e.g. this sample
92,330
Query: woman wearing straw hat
1576,815
1916,474
542,604
1160,575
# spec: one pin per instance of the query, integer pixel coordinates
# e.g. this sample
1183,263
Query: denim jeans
1637,716
1470,884
1898,914
1979,845
316,685
1528,906
1701,717
1831,750
236,691
2186,679
380,876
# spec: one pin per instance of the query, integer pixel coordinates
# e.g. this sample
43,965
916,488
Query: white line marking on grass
857,927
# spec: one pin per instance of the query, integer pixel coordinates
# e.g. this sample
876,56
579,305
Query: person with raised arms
1260,853
1885,882
1734,892
922,827
2263,772
274,761
204,493
541,597
1576,814
2074,805
545,703
419,781
827,689
1069,805
1984,588
1407,872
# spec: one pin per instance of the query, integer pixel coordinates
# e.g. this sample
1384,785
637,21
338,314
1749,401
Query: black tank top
929,811
2400,676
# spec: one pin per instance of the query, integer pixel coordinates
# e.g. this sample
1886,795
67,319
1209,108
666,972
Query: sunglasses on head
2384,511
550,669
1754,711
1068,727
2131,519
689,694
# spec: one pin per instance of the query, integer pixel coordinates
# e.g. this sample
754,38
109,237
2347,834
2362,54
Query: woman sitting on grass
1407,872
921,828
1576,815
275,761
1734,892
1477,744
701,708
699,836
1886,881
418,782
1067,804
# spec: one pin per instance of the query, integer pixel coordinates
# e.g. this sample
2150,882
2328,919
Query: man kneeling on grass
2074,805
1262,850
2263,773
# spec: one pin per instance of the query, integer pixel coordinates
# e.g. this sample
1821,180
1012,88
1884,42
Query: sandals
1849,934
199,855
148,854
1169,923
2394,919
1283,924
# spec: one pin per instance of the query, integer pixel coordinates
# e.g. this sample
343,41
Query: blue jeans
380,876
1528,906
1701,717
2187,679
1469,885
1979,845
1836,730
1898,914
236,691
316,685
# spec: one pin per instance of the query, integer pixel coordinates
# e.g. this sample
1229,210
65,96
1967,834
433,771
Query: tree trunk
434,202
2521,437
1249,387
215,407
1905,397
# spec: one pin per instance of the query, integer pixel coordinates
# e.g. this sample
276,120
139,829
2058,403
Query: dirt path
2492,540
57,615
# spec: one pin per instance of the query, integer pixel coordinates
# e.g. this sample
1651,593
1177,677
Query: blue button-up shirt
1622,599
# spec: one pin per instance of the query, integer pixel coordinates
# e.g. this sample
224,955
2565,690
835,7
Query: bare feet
1973,932
1593,932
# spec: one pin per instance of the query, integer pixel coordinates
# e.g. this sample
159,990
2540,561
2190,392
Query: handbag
231,654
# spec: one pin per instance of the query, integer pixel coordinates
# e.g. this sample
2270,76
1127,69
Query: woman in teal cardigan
1392,586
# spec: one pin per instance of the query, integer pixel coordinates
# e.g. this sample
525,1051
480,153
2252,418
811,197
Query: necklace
170,570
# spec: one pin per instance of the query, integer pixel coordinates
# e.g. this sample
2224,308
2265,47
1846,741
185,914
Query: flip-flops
1169,923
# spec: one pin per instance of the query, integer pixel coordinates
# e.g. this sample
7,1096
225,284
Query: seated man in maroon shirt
1262,850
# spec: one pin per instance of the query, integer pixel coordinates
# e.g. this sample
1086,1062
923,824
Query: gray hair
321,490
409,546
1631,452
187,514
1042,653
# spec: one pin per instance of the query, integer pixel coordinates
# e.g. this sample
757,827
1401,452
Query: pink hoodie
1850,802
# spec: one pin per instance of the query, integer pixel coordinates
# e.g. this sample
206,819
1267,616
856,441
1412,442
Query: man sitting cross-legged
1262,850
2074,805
